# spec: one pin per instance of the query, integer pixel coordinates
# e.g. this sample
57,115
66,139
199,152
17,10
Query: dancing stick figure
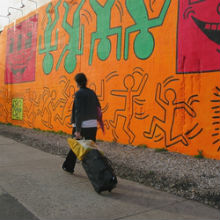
130,95
166,125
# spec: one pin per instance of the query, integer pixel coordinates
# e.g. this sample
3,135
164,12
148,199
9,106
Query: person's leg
89,133
70,162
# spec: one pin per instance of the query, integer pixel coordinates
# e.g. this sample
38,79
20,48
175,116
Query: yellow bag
80,147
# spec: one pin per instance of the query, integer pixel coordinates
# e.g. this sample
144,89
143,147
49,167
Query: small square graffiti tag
17,109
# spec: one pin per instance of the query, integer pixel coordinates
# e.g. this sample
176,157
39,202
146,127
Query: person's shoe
67,170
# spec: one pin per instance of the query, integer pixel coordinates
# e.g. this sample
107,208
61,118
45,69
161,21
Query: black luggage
99,171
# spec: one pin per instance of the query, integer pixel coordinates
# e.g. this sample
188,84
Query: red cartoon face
198,45
21,52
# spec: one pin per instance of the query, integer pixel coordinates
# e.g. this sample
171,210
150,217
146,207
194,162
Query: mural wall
154,64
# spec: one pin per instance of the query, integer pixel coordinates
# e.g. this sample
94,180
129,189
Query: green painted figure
48,48
144,41
103,30
75,40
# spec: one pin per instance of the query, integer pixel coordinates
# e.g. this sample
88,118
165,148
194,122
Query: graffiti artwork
198,46
143,43
31,105
138,56
130,95
66,103
21,52
169,104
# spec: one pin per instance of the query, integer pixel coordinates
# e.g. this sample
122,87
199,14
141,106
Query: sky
9,5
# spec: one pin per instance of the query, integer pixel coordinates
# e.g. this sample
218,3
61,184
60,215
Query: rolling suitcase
99,171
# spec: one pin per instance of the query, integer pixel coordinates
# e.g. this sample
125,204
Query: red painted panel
198,48
21,52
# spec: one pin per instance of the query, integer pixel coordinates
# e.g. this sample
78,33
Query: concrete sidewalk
33,186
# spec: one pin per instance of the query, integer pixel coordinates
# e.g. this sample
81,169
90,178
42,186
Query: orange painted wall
145,99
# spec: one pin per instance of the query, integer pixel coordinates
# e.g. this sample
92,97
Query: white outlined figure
169,106
129,94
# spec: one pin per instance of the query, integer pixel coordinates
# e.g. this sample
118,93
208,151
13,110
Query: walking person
84,117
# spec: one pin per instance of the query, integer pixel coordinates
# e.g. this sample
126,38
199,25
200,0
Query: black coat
84,107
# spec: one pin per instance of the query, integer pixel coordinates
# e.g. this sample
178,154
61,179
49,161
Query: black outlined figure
166,82
103,31
130,95
141,114
169,105
76,38
216,118
195,130
144,40
49,105
108,78
101,94
66,103
6,105
101,97
30,112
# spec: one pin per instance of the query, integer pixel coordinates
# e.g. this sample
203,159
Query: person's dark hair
81,79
